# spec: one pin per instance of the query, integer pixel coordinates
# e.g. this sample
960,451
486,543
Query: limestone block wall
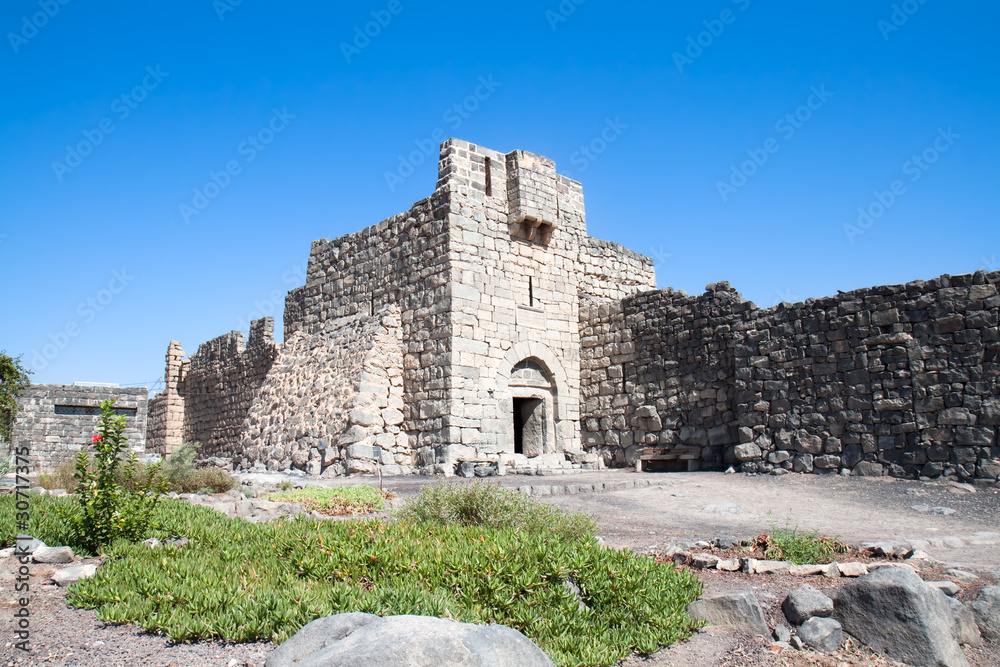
520,258
898,379
330,399
219,384
58,421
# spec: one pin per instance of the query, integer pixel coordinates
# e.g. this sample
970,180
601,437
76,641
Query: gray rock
52,555
152,543
782,633
466,469
949,588
893,611
359,640
739,611
727,542
821,634
804,603
966,630
704,561
26,544
70,575
796,643
986,608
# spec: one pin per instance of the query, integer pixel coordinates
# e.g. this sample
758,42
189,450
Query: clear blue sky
157,99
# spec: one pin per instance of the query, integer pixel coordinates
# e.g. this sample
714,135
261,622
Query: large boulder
804,603
739,611
893,611
986,608
359,640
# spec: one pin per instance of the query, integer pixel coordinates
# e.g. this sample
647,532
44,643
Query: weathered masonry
57,421
448,334
484,332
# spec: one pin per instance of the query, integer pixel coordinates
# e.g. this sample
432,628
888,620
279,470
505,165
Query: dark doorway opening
529,426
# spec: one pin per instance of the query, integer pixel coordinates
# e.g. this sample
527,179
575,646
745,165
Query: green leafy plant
112,501
13,382
486,504
183,476
799,546
249,582
285,485
360,499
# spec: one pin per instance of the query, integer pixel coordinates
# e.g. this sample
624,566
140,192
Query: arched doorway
532,391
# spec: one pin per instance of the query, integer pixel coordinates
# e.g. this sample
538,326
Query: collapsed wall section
898,380
332,402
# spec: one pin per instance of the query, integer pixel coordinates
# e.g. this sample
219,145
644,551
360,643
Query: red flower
97,438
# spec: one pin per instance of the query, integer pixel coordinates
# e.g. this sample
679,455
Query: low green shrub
360,499
183,476
799,546
495,506
177,470
247,582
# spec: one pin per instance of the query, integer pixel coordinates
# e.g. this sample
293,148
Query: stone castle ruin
483,332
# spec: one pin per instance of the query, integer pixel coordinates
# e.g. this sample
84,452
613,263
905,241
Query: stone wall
53,437
330,399
165,431
899,380
220,382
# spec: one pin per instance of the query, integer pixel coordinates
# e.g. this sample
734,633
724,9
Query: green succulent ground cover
360,499
244,582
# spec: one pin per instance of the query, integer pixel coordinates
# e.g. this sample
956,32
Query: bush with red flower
116,497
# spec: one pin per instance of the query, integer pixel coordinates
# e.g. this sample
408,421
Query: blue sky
745,136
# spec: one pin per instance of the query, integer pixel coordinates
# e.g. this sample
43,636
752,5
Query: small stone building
484,330
56,421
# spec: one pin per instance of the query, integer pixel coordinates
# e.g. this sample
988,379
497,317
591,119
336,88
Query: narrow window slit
531,292
489,179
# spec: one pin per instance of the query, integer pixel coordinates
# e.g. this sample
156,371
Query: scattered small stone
727,542
852,569
97,644
773,566
782,633
821,634
804,603
949,588
796,643
7,553
739,611
70,575
179,542
680,494
52,555
728,565
943,511
962,575
806,570
831,570
152,543
26,544
702,544
702,561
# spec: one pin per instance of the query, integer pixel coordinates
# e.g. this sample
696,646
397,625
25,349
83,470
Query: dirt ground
675,506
